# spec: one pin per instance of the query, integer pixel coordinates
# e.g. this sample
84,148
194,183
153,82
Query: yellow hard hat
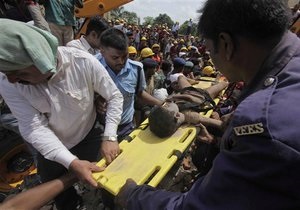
132,50
143,39
155,45
146,52
181,40
208,70
183,49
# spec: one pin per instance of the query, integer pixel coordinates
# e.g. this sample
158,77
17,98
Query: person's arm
106,88
34,128
38,196
130,191
183,82
192,81
33,125
243,177
215,90
142,95
196,118
148,99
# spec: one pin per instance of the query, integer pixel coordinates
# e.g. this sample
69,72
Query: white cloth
160,94
57,115
181,54
83,44
168,48
174,77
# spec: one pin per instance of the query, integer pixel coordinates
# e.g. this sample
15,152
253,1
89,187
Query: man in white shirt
50,90
90,42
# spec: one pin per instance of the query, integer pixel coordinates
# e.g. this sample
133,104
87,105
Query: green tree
117,13
148,21
163,19
183,28
130,17
121,13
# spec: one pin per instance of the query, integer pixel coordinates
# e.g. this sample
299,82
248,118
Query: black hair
162,122
129,33
257,20
114,38
166,66
97,24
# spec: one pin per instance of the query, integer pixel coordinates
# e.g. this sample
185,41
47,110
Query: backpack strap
138,79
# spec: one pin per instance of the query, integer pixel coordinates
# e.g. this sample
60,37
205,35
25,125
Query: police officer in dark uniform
258,165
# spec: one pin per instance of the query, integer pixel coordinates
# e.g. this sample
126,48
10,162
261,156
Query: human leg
57,32
38,18
68,34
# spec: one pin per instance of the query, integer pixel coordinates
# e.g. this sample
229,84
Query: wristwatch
109,138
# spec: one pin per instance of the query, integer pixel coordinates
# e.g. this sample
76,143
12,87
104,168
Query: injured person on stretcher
184,107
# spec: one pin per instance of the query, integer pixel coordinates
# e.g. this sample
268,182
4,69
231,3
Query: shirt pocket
78,99
128,92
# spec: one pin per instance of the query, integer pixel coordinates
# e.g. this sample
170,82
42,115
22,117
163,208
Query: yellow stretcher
146,158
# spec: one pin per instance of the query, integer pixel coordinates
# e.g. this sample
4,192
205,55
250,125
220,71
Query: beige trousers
64,34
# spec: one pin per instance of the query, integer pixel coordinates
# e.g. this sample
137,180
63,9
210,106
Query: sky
178,10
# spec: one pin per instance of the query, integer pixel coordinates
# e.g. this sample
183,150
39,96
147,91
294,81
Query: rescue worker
60,16
156,50
208,71
132,53
143,43
36,14
129,77
188,70
146,53
54,108
150,67
90,42
258,165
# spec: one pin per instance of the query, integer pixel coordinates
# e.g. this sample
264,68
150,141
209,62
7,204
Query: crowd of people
75,100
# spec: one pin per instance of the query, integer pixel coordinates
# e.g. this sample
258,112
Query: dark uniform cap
179,62
149,62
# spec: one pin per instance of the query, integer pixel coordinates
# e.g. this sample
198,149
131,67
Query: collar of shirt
87,46
125,69
278,58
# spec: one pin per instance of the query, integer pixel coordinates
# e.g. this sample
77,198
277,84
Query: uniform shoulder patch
250,129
